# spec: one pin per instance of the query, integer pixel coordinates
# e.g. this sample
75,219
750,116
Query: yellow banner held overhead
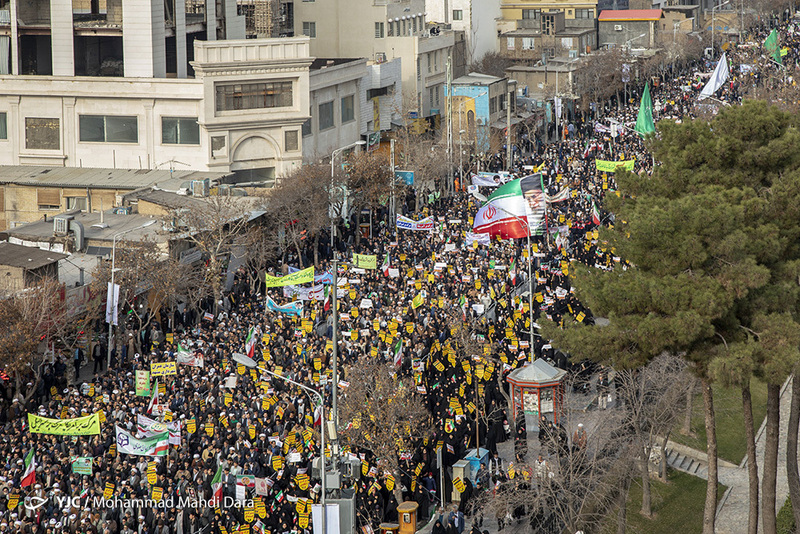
365,261
78,426
611,166
299,277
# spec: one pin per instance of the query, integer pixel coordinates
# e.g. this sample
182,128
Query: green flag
644,121
772,47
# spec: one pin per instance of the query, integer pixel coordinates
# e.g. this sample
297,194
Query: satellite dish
244,360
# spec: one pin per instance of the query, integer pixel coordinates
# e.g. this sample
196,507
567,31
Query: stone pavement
733,509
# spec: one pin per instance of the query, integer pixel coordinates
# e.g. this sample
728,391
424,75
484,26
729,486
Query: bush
786,518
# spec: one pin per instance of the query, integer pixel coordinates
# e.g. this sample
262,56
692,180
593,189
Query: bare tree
650,398
142,271
213,225
383,414
29,319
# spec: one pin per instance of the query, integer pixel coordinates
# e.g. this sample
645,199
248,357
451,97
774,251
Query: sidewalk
733,509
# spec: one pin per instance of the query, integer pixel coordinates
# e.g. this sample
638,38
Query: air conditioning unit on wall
617,27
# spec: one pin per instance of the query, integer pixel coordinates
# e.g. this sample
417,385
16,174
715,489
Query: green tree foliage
712,239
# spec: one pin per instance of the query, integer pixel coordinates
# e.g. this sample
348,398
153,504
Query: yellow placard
163,369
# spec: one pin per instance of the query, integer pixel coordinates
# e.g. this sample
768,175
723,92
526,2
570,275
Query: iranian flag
595,214
327,305
385,265
216,486
29,477
512,271
398,353
250,344
516,209
153,407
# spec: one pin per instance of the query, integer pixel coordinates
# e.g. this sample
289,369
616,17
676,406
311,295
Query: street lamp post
111,293
321,398
713,23
333,160
531,255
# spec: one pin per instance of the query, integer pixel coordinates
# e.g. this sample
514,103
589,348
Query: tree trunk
752,466
687,416
791,448
647,509
771,459
662,468
316,250
622,515
710,510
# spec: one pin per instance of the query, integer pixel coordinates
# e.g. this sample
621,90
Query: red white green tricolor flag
250,344
29,476
516,209
216,486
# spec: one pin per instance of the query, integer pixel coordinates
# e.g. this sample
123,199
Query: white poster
112,302
331,518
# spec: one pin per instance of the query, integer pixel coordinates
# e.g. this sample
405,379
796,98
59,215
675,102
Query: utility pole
449,123
509,153
334,355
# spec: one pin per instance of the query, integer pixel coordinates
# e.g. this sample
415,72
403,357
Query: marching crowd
258,435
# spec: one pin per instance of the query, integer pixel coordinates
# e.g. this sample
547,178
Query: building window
326,116
3,126
48,198
527,43
232,97
431,90
397,27
458,14
414,21
493,105
584,13
430,61
404,27
419,71
348,109
77,203
290,141
531,14
390,29
379,30
108,129
180,131
310,29
42,134
436,96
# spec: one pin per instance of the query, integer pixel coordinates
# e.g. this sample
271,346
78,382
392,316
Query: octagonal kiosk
538,390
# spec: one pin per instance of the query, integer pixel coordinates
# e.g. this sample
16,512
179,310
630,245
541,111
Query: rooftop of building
325,62
476,78
98,178
27,257
96,226
622,15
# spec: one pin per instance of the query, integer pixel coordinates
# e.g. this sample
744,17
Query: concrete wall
61,38
143,43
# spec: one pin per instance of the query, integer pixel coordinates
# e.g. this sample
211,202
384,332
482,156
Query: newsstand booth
538,390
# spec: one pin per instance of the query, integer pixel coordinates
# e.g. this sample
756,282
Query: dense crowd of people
258,435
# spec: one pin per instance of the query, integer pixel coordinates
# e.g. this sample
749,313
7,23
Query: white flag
718,78
112,301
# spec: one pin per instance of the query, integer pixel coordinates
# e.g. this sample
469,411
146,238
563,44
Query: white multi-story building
384,30
350,99
149,84
476,18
